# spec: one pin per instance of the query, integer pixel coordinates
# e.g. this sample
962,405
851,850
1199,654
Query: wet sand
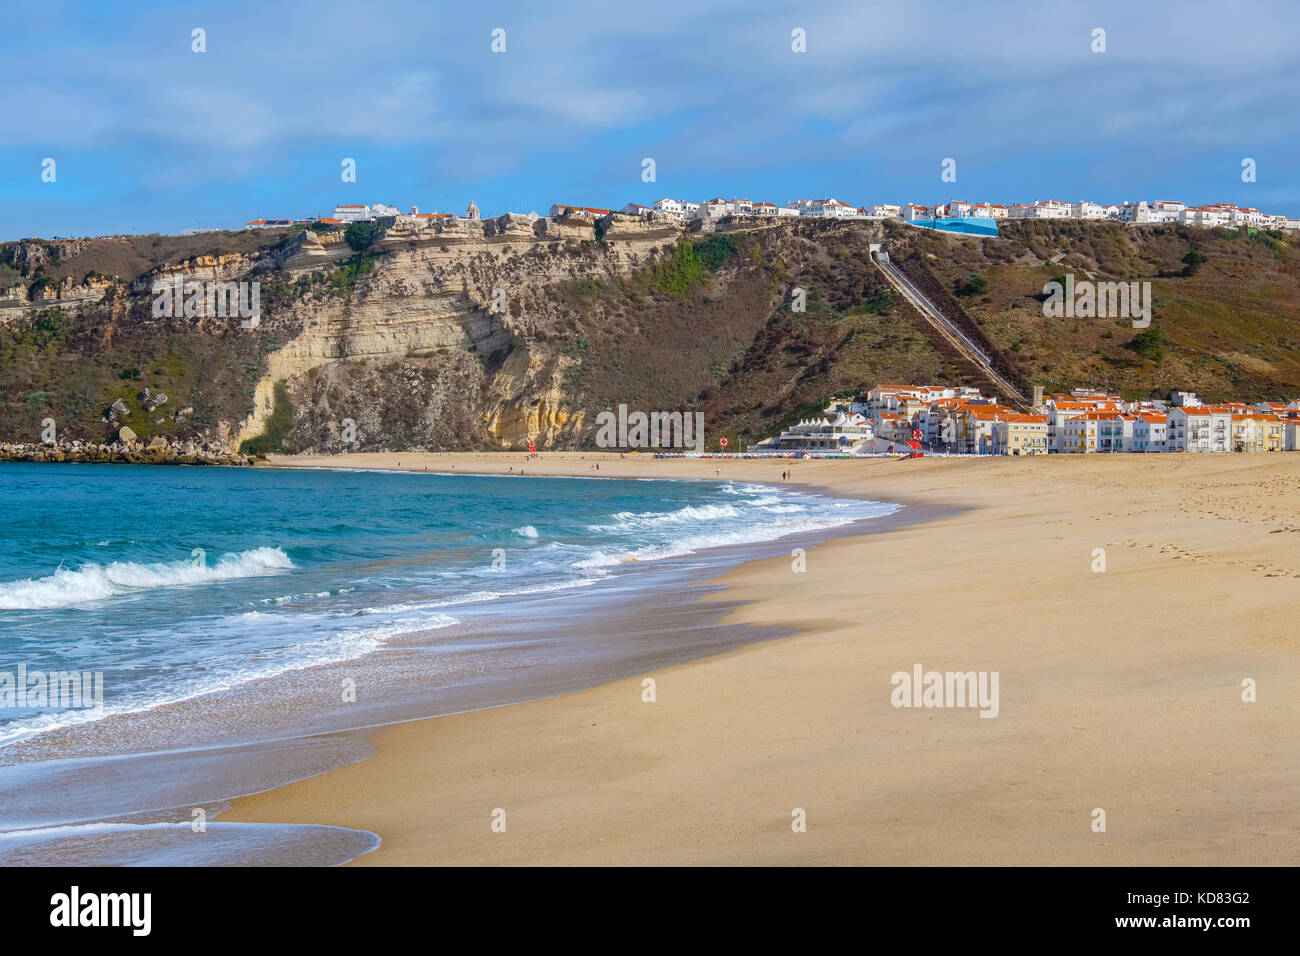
1120,690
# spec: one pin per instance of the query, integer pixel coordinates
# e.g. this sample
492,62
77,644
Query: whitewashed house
1150,432
678,208
1207,216
1160,211
352,212
1050,209
829,209
1115,432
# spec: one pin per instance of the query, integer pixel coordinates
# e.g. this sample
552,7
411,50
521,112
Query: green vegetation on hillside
1149,343
344,278
360,236
279,425
975,284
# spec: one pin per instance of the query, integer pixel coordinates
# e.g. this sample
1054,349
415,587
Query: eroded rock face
454,335
467,303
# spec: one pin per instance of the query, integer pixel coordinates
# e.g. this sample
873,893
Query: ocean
215,613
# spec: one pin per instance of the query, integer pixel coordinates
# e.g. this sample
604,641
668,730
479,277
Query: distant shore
1123,601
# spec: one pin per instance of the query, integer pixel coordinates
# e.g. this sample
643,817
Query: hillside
406,340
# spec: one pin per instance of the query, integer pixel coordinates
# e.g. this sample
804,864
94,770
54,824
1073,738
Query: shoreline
1120,691
666,588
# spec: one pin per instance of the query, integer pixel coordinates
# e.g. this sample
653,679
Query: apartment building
1258,432
1200,428
1016,434
1150,432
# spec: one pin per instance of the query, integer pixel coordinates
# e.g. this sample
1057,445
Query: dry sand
1119,690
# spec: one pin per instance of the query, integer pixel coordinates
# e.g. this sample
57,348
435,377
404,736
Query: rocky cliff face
437,337
461,317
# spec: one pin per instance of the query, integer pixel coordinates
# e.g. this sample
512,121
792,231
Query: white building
1217,214
1200,428
1047,209
678,208
1150,432
837,433
1087,210
1115,432
352,213
1160,211
885,211
1246,216
829,209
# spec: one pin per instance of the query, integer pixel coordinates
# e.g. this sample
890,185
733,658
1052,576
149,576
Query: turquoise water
173,583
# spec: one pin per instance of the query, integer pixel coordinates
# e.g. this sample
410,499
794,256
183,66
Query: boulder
159,443
118,409
125,435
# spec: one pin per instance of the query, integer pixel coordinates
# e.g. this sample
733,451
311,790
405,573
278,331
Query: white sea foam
637,520
340,645
527,531
715,526
95,582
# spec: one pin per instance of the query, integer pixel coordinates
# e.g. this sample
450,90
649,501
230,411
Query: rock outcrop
160,451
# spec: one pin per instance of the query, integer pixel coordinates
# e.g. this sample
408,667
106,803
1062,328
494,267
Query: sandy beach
1120,690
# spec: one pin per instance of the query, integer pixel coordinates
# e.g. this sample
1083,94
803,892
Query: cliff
491,333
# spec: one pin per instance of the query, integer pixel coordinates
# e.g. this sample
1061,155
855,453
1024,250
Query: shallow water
245,621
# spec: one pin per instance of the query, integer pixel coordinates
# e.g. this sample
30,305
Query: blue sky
149,136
